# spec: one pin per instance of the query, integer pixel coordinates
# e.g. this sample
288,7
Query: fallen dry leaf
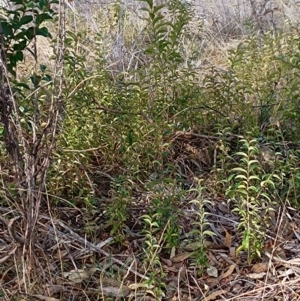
286,273
168,262
118,292
215,295
212,271
229,272
173,268
173,252
171,289
54,289
197,245
259,267
256,275
135,286
182,273
227,239
113,288
193,246
181,257
45,298
77,276
232,252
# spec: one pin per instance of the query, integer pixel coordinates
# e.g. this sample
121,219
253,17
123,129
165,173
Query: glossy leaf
25,20
44,32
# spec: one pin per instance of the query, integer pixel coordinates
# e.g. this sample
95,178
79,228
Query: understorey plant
200,230
250,191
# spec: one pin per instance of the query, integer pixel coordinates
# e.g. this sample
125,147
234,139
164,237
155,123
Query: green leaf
241,187
244,160
241,177
236,210
16,14
44,32
43,4
22,85
35,79
231,177
19,56
26,19
267,182
10,68
7,29
245,144
41,18
239,169
20,46
72,35
32,4
146,10
156,23
209,233
43,68
276,177
254,178
158,8
253,141
151,15
30,33
161,32
130,137
266,196
250,162
253,149
20,35
242,154
246,240
47,78
150,50
253,188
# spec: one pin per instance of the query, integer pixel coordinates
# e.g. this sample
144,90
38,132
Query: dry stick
13,251
182,134
82,82
92,246
82,150
271,256
10,224
260,289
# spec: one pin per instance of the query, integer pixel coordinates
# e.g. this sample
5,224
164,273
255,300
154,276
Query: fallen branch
90,245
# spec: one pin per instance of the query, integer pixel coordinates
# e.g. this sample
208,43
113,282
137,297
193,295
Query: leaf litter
71,264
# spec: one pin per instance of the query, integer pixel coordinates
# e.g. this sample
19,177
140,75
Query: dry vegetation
149,150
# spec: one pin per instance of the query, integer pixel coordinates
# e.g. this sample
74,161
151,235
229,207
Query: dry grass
73,256
216,27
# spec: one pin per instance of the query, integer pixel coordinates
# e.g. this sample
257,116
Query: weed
152,262
200,232
165,197
117,211
250,191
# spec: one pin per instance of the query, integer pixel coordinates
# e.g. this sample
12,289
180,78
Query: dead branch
10,224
